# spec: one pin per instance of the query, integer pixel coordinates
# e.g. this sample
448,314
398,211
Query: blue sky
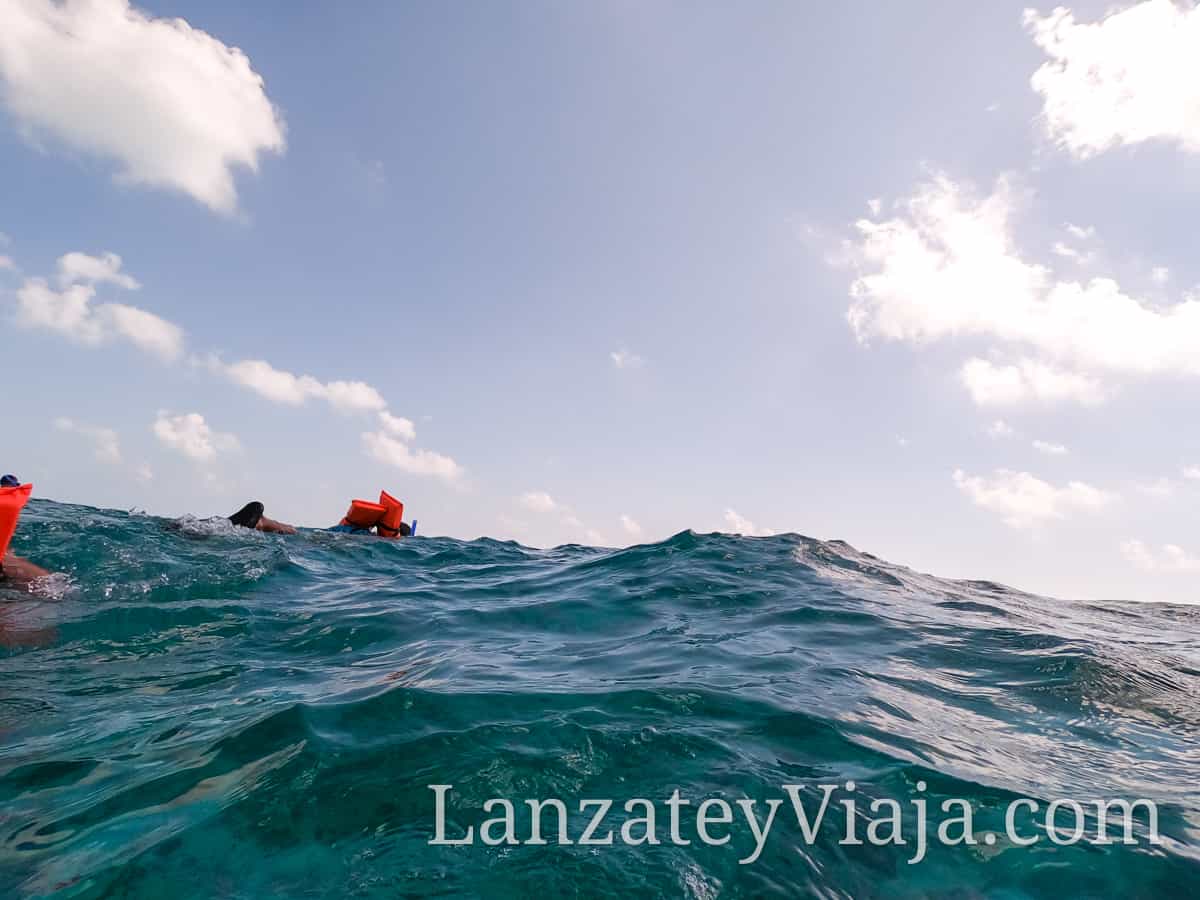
614,270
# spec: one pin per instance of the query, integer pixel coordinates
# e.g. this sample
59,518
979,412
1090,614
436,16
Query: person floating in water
251,516
14,571
384,517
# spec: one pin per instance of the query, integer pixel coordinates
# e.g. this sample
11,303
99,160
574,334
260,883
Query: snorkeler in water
14,571
251,516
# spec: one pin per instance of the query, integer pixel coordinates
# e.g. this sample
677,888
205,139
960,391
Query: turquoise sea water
210,712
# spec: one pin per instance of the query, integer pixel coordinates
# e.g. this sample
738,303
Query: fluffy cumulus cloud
1024,501
190,435
739,524
947,267
1134,76
294,390
77,71
993,384
390,450
69,309
105,444
630,526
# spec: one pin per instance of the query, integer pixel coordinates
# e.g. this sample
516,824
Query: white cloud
739,524
1160,274
1170,558
144,473
630,526
151,333
539,502
1068,252
1050,449
1023,501
990,384
948,268
172,105
1192,473
1132,77
623,359
398,426
387,449
105,443
1079,233
294,390
7,264
71,313
1160,487
81,268
353,396
1000,429
190,435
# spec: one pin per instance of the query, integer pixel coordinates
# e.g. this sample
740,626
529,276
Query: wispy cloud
105,443
1050,448
1169,558
624,359
539,502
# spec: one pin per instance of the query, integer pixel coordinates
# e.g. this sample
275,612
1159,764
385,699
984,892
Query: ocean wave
209,711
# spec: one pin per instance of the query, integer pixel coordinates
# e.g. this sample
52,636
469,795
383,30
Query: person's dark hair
405,531
248,515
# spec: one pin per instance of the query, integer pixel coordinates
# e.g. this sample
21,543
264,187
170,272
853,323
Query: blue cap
10,481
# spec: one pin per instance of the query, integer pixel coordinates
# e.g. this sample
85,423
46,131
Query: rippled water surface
210,712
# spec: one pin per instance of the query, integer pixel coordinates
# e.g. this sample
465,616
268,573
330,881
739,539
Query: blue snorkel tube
412,532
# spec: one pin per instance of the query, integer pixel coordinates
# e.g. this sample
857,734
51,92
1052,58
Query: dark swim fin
248,515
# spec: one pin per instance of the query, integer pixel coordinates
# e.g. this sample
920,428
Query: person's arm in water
20,572
265,524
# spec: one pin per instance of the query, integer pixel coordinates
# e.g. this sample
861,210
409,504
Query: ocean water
208,712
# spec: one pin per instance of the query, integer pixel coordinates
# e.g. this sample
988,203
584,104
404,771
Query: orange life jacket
363,514
12,499
389,523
